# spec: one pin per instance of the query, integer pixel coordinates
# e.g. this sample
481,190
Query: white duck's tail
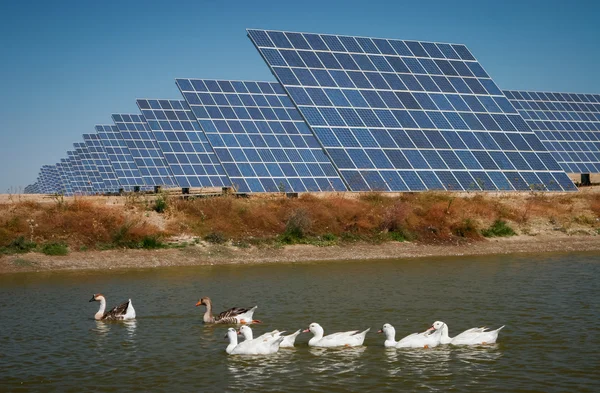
130,313
362,336
248,315
289,340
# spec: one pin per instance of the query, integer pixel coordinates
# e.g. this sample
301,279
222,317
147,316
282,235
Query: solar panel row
347,113
567,124
404,115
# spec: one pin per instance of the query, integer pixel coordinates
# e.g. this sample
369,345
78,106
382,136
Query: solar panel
259,137
144,149
183,144
48,179
82,185
567,124
61,170
102,163
89,167
405,115
120,158
67,175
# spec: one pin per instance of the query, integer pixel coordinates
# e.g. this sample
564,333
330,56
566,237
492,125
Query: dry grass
429,217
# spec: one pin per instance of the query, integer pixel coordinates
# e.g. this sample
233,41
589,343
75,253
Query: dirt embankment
202,254
163,230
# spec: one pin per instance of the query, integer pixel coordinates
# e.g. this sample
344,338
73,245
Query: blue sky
68,65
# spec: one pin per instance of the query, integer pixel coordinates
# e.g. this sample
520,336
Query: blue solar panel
82,184
50,180
89,167
259,137
144,149
120,158
102,163
183,144
567,124
402,98
67,174
62,169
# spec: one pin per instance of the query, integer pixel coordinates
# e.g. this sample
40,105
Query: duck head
437,325
246,331
314,328
97,297
387,329
231,334
205,301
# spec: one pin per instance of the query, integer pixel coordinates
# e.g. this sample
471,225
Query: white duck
288,341
341,339
123,311
474,336
252,347
428,339
234,315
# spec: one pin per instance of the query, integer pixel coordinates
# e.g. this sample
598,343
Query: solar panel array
347,114
405,115
184,146
259,137
102,163
144,149
89,168
82,184
120,158
567,124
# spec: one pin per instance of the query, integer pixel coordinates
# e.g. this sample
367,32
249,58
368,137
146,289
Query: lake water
549,303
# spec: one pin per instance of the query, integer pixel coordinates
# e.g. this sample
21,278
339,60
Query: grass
498,229
55,248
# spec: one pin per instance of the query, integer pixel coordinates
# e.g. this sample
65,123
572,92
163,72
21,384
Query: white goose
428,339
123,311
288,341
342,339
474,336
251,347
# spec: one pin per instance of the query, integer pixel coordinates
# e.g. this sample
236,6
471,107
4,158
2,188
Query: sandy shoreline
221,255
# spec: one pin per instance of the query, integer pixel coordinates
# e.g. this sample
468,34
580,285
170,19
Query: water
549,304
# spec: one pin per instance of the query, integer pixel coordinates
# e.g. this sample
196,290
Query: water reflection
336,360
102,328
418,361
130,326
251,371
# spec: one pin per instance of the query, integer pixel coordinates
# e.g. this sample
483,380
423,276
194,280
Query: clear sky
67,65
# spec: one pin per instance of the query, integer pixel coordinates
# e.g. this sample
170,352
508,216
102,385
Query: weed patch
55,248
498,229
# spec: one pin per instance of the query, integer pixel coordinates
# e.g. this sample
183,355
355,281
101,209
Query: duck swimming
234,315
121,312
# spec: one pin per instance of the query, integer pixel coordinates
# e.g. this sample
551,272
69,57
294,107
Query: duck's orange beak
199,303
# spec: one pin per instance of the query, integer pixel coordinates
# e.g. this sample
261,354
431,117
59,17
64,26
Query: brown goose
234,315
121,312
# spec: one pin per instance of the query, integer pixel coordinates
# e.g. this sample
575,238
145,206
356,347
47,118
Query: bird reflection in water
130,325
336,360
418,361
248,371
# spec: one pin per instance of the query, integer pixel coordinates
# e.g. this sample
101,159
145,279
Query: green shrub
498,229
151,242
297,226
215,238
397,236
19,246
55,248
160,204
466,228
